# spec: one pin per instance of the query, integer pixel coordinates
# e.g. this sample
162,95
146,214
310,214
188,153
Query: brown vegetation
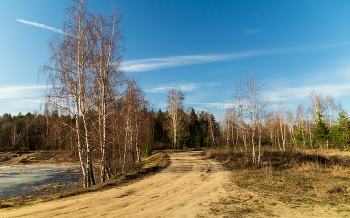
291,177
51,187
37,157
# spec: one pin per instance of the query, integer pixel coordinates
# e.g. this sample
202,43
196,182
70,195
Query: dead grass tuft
339,190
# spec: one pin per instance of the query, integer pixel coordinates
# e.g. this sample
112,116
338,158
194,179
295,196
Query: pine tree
321,132
340,133
300,136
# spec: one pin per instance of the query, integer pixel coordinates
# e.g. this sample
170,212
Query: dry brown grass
292,176
37,157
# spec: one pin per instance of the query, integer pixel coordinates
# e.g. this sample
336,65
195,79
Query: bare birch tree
175,102
108,48
261,116
135,107
240,108
332,109
256,103
290,121
300,124
211,129
282,120
317,101
129,102
70,75
310,125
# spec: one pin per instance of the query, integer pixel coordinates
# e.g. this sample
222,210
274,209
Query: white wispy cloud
175,61
300,93
40,25
217,105
17,92
26,103
165,88
253,31
16,99
184,87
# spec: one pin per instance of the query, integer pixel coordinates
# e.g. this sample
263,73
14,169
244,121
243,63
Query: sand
186,188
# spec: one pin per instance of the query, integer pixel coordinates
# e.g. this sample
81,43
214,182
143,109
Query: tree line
250,122
53,130
133,130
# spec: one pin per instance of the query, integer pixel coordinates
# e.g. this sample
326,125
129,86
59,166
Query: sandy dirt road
186,188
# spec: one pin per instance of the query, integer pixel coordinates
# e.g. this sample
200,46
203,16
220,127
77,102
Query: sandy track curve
185,189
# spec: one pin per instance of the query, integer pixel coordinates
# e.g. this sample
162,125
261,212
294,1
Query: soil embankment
186,188
37,158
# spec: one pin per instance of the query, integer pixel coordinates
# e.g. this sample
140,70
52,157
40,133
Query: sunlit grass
292,175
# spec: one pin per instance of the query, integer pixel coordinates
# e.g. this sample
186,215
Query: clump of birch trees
252,124
85,81
189,129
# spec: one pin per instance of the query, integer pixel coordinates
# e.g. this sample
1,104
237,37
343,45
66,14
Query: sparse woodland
93,110
252,123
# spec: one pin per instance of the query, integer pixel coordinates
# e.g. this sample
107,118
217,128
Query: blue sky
201,47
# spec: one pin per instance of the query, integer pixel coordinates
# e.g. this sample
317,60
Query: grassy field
295,179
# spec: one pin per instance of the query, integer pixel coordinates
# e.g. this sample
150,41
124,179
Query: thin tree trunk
80,152
245,145
259,143
278,140
253,146
233,139
211,129
104,138
91,179
228,134
125,148
138,150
